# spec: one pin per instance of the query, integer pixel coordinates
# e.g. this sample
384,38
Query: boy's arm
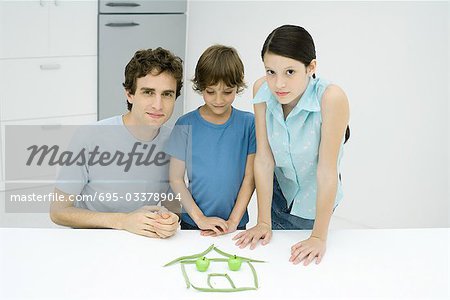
176,176
245,193
139,222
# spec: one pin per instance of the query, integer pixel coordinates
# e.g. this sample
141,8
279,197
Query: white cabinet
23,29
71,27
47,87
39,28
48,77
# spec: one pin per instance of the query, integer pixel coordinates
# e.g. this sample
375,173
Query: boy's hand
232,226
214,224
260,231
308,250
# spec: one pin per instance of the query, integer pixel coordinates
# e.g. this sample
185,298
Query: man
126,169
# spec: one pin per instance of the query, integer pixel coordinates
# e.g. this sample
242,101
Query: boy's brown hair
217,64
147,61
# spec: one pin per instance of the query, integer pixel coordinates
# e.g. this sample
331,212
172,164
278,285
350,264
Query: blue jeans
281,216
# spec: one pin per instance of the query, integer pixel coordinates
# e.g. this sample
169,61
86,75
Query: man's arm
141,221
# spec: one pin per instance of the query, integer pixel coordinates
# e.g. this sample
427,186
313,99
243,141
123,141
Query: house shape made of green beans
191,259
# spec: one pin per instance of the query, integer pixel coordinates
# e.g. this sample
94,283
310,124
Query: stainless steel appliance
126,26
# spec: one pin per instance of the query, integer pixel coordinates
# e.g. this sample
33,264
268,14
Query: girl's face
218,99
287,78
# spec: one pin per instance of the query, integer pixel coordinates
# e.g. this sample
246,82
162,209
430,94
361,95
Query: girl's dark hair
291,41
217,64
294,42
147,61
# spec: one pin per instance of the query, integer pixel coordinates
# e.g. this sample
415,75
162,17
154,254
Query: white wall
392,59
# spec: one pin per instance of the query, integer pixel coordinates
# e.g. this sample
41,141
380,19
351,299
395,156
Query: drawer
17,136
142,6
47,87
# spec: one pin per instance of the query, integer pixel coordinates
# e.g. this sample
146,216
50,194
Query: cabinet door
73,27
47,87
39,132
120,36
23,28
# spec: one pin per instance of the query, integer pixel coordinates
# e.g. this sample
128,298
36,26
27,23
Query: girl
300,126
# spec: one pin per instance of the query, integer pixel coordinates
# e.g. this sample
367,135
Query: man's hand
151,221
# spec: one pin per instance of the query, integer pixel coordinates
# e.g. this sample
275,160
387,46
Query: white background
392,60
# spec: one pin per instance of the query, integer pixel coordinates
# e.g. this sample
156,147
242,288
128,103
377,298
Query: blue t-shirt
215,158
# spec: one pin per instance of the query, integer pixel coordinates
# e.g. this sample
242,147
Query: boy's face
154,99
218,99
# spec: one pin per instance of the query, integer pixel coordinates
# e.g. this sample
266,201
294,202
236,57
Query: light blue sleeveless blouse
295,146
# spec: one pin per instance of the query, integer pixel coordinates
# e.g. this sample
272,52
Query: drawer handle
122,4
131,24
50,67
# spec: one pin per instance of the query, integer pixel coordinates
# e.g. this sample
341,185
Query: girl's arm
176,177
263,171
335,116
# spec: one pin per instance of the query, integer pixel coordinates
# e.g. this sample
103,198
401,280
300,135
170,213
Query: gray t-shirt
119,173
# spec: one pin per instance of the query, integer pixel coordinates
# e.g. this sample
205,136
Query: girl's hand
232,226
261,231
308,250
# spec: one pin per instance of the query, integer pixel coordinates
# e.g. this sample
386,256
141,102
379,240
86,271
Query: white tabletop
110,264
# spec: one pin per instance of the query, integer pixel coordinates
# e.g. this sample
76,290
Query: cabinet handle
56,2
122,24
122,4
41,3
50,67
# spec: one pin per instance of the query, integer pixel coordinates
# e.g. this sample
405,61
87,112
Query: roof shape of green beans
190,259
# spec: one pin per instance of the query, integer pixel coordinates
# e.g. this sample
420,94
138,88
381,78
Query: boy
216,145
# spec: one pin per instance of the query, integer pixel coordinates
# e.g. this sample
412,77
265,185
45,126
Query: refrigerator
125,26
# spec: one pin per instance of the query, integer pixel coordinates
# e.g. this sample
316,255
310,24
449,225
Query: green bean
191,259
231,281
241,257
220,275
186,278
210,259
255,276
224,290
190,256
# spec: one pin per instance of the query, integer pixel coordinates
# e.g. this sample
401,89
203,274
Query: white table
110,264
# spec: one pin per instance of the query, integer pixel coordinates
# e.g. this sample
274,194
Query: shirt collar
309,101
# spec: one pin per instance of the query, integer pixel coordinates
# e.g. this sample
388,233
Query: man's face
154,99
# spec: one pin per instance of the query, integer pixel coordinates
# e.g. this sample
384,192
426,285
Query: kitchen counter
111,264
